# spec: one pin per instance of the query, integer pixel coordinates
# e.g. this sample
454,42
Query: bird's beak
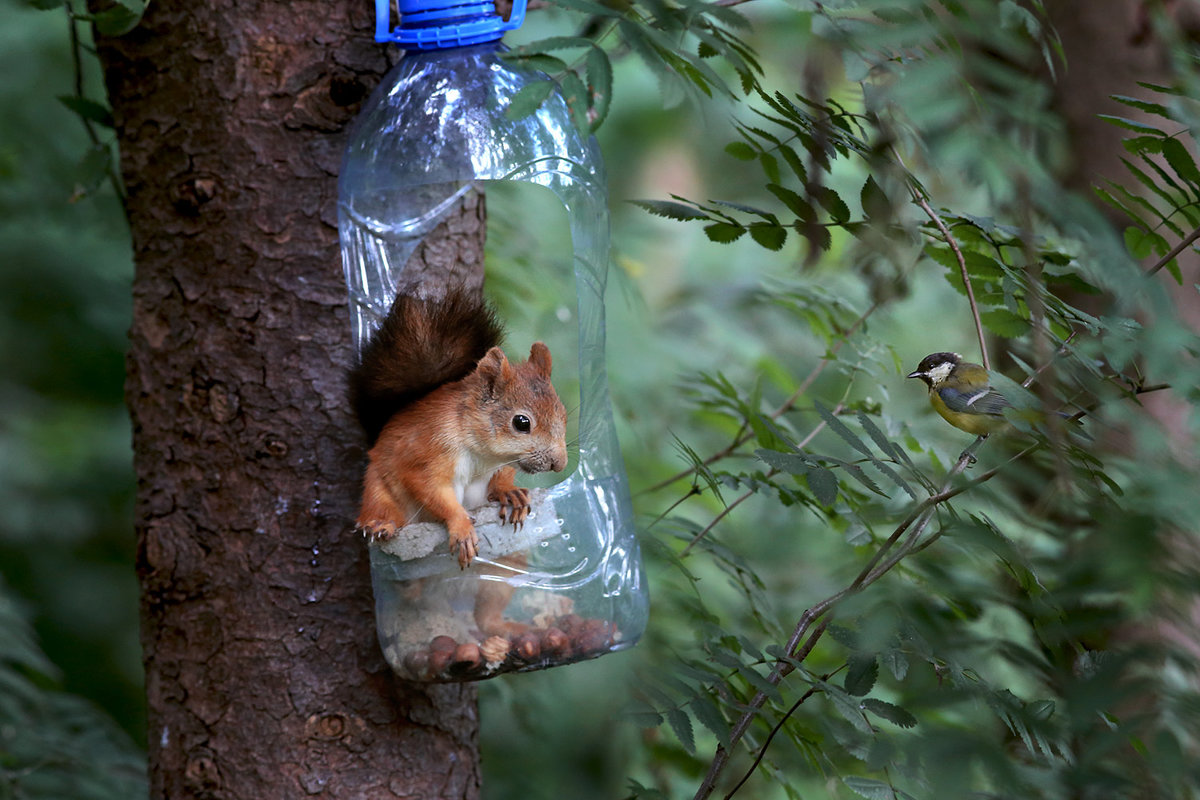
916,374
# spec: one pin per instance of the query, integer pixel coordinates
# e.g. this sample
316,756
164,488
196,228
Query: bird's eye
521,423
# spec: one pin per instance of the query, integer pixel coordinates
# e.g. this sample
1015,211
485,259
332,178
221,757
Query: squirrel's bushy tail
422,344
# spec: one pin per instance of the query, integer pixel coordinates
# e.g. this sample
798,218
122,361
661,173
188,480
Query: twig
1176,250
962,266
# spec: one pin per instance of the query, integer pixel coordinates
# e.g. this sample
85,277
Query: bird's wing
983,401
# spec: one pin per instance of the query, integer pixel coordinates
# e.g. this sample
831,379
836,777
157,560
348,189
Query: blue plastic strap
438,24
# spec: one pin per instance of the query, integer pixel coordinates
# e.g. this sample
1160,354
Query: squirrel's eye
521,423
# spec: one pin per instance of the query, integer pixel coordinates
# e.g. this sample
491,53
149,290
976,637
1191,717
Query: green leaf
862,670
791,463
875,203
1141,145
817,235
869,788
823,484
529,99
892,713
544,63
1003,322
759,682
681,724
600,83
896,662
642,714
578,100
702,470
93,168
741,151
881,441
670,210
794,162
1181,161
770,166
1133,125
839,427
847,706
89,110
794,202
772,237
1158,109
724,232
709,715
552,43
832,203
116,21
1139,242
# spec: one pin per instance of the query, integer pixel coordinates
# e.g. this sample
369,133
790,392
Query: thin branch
962,266
1175,251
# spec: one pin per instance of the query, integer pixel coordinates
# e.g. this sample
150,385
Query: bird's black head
935,367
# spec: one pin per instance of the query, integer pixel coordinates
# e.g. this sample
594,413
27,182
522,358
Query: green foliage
967,633
53,744
66,478
1163,165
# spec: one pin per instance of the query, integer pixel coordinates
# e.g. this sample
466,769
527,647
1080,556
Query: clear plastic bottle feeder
434,129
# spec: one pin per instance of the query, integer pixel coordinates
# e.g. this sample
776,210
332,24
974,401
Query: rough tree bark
264,677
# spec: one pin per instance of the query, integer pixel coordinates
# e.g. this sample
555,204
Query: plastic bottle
435,128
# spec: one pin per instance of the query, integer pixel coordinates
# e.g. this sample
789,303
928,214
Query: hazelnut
443,642
417,664
555,643
527,647
439,660
466,657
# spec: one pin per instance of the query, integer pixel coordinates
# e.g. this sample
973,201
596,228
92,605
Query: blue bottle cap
438,24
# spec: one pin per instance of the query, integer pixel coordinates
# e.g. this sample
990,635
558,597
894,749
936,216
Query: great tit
961,393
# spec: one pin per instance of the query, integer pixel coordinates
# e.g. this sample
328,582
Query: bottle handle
516,16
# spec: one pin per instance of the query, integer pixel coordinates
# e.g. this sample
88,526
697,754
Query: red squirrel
449,419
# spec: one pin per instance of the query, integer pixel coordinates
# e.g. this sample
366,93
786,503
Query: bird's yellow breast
977,424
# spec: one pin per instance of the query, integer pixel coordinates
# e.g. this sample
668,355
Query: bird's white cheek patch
940,372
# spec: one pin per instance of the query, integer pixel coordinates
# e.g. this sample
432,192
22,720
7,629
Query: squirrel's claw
464,543
377,530
514,506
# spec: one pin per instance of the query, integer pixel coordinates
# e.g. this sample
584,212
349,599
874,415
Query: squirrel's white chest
471,477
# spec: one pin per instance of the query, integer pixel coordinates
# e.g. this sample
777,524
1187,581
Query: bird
962,394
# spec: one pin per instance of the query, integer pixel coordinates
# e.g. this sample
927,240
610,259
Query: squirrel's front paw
514,502
463,541
377,530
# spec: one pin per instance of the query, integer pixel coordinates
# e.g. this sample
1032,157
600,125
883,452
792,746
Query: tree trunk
264,677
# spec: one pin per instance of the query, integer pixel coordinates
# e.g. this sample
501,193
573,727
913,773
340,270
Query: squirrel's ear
539,356
494,369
